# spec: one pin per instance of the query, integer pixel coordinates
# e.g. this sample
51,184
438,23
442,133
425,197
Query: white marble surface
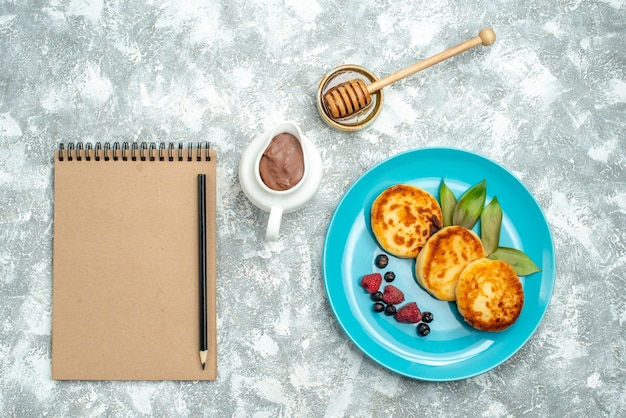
547,101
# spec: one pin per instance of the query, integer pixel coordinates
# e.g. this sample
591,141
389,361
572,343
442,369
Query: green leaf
490,222
447,201
469,207
521,263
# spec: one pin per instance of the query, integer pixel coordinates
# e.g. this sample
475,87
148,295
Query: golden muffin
489,295
444,257
403,217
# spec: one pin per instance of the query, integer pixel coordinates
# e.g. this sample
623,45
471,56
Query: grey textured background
547,101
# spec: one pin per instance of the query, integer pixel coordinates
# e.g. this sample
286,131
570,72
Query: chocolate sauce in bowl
282,163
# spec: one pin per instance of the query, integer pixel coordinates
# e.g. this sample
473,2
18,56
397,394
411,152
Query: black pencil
203,267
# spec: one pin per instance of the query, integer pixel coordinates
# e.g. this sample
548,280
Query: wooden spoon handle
485,37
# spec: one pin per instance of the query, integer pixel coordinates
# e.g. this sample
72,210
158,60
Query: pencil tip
202,366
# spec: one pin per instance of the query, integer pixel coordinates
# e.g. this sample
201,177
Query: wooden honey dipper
348,98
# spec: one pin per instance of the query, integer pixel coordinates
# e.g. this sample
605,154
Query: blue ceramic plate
453,350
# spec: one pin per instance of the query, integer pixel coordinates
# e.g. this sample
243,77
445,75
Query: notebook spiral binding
134,151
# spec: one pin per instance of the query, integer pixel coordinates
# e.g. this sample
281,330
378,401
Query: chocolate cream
282,162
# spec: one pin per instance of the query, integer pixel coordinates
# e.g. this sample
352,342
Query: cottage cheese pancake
444,257
403,217
490,296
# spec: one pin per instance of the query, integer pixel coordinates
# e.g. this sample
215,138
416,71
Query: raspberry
371,282
392,295
409,313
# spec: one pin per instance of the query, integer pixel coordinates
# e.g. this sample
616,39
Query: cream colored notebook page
125,302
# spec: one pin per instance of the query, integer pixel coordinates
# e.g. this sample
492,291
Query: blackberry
423,329
381,261
390,310
427,317
389,276
377,296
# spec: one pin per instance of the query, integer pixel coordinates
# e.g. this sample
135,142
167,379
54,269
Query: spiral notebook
126,289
